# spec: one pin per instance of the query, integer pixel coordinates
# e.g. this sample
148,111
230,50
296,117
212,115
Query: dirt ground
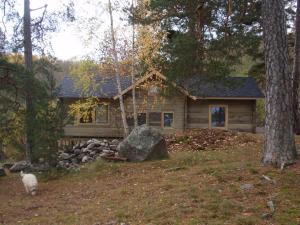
191,187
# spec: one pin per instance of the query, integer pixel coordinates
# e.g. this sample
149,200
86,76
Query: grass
188,188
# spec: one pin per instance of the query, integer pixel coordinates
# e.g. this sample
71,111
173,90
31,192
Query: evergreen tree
279,148
205,37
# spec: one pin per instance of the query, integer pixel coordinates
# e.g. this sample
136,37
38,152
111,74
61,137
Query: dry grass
189,188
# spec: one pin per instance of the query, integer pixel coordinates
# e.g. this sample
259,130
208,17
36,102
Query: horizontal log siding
147,104
241,114
111,129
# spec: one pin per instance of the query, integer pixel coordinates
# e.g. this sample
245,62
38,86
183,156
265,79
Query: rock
95,141
86,150
76,146
103,155
83,145
115,142
69,150
7,165
143,143
18,166
65,156
113,147
77,151
246,187
2,172
103,144
90,146
98,149
109,152
80,156
92,153
60,164
75,161
85,159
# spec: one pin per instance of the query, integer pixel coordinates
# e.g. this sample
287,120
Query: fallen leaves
213,139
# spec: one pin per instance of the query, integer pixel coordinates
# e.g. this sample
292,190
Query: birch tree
135,118
117,70
279,148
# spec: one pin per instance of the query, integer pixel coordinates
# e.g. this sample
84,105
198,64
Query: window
130,120
86,117
141,118
97,115
155,119
101,114
218,116
168,118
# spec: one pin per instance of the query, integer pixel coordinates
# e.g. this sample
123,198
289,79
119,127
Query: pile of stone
87,152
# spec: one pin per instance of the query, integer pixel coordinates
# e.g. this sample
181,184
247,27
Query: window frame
210,116
94,118
145,118
163,122
79,117
148,119
108,116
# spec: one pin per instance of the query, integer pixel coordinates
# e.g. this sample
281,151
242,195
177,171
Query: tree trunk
28,65
117,71
296,72
133,68
279,146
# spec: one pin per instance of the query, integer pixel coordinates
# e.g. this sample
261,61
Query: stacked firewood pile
87,152
209,139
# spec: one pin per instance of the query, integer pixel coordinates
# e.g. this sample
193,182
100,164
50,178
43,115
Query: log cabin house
191,104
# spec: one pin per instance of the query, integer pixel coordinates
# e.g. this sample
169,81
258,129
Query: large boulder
143,143
18,166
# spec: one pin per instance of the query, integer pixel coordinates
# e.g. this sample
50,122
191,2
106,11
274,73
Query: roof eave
229,98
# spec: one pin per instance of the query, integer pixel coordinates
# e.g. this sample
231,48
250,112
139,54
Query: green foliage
207,37
46,126
86,73
83,108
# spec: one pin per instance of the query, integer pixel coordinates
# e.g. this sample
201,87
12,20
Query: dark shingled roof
105,87
231,87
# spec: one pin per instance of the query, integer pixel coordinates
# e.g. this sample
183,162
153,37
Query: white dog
30,183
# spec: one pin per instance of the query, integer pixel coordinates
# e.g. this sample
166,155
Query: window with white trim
218,117
168,119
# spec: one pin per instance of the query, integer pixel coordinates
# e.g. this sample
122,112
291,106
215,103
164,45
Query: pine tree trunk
279,146
296,72
135,118
28,65
117,71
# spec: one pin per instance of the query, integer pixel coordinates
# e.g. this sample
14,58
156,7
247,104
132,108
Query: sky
72,39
